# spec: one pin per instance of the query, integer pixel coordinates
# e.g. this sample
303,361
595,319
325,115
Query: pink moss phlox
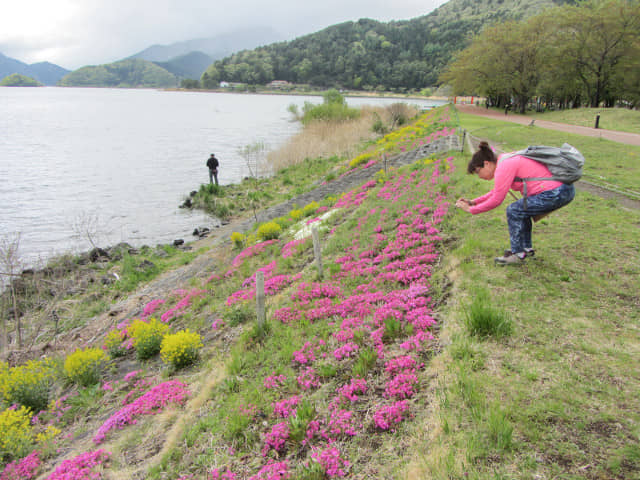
183,303
23,469
131,375
151,307
331,462
276,438
274,381
415,342
251,251
401,386
342,422
347,350
287,407
273,471
217,324
290,248
389,415
403,363
308,379
217,474
349,391
151,402
80,467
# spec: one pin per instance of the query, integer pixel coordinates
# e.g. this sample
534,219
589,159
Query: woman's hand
464,204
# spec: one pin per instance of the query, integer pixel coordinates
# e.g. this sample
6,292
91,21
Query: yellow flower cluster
48,434
269,230
27,384
147,337
310,208
113,343
360,159
84,366
17,436
238,239
180,349
296,214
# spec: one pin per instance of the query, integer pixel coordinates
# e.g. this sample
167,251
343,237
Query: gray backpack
565,163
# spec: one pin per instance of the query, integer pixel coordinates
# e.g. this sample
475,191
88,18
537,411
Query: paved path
615,136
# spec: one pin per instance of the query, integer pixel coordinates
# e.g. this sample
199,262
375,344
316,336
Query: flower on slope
151,402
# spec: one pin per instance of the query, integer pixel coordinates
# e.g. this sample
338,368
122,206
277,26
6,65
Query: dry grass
327,139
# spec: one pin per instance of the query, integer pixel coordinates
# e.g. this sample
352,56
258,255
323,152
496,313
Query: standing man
212,163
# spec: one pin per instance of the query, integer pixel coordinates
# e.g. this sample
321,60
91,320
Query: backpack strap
524,185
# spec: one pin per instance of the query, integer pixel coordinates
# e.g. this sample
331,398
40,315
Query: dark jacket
212,163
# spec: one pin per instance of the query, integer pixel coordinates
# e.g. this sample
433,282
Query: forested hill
367,54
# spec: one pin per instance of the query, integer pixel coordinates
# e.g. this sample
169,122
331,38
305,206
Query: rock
160,252
193,193
178,242
108,279
186,204
145,265
98,254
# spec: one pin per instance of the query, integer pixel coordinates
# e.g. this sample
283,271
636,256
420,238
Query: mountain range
45,72
364,54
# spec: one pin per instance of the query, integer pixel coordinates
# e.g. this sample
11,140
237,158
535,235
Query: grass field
621,119
557,398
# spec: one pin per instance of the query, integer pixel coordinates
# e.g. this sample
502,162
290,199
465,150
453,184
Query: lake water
125,159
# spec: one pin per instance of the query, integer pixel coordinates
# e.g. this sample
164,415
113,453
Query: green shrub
16,439
269,231
147,337
84,367
483,319
180,349
28,384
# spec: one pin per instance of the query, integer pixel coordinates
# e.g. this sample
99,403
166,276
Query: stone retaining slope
352,179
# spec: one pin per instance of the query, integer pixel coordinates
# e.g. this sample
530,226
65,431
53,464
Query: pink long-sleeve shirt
503,180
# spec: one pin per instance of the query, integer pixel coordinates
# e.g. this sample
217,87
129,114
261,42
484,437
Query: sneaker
527,253
509,259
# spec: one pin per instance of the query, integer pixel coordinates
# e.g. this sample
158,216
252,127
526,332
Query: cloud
74,33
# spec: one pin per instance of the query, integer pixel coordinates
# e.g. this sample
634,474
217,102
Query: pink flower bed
150,403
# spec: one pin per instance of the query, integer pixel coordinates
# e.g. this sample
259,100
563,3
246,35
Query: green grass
558,397
621,119
605,160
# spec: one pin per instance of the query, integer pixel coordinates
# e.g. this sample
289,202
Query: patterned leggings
519,218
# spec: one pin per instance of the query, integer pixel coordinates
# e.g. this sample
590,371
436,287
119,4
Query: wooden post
260,297
316,250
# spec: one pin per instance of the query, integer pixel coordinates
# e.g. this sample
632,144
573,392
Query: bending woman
543,196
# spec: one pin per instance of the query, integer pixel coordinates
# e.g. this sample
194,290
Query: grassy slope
558,398
555,399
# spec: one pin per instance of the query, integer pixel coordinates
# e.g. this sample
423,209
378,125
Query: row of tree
367,54
572,55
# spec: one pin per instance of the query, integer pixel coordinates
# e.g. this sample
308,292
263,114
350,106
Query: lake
125,160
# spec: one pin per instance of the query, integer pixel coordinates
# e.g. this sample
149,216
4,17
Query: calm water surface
126,158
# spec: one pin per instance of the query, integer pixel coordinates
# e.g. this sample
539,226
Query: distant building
278,84
224,84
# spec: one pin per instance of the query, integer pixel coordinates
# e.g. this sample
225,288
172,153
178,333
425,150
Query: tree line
370,55
568,56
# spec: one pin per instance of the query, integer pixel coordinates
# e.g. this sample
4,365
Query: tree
502,62
599,38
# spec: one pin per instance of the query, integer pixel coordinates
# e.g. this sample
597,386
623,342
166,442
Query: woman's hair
484,154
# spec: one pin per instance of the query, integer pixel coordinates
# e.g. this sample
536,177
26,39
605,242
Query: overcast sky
75,33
